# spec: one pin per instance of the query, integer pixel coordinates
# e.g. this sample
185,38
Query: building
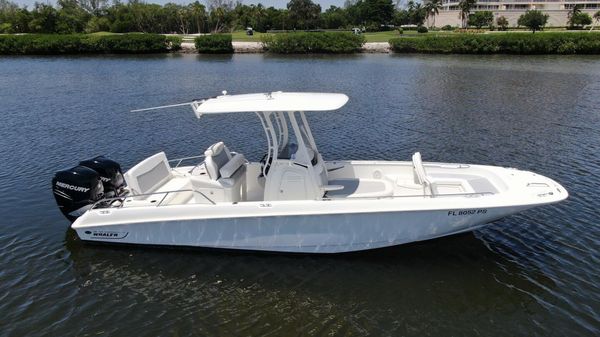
513,9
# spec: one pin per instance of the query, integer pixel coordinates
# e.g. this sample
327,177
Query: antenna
193,104
165,106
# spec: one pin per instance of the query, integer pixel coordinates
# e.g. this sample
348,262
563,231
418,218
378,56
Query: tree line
88,16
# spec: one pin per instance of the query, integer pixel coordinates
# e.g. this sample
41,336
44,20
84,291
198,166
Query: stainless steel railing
108,201
470,195
180,160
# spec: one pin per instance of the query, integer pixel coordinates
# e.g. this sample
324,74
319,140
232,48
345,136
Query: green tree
378,12
250,16
334,17
276,19
43,18
432,8
373,13
578,20
71,18
502,22
97,24
480,19
221,15
533,19
575,10
401,17
304,14
199,16
13,19
465,7
417,14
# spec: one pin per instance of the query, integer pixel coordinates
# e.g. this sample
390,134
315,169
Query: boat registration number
467,212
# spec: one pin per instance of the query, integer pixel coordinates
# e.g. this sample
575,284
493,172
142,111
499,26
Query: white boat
293,200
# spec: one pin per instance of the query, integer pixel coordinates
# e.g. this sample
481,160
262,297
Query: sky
268,3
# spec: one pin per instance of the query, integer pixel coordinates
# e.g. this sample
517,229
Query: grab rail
180,160
471,194
124,197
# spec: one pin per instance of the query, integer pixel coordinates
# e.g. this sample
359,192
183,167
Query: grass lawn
369,37
241,36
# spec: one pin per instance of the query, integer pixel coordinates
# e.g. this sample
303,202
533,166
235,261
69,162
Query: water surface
533,274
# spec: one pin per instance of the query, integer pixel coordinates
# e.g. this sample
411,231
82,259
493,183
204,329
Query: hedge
214,44
53,44
501,43
317,42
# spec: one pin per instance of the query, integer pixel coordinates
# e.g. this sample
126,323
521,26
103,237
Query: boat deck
350,180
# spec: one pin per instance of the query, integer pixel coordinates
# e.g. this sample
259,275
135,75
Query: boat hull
319,233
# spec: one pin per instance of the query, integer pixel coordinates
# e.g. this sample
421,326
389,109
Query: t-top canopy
274,101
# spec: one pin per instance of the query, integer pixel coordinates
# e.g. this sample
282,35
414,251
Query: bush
506,43
578,20
372,28
174,42
400,31
303,43
480,19
502,23
448,28
422,29
84,44
534,20
214,44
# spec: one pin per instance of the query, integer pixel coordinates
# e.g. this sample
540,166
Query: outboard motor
76,190
110,174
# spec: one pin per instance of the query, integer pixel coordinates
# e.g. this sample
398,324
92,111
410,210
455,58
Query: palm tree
465,7
596,18
432,9
418,14
576,9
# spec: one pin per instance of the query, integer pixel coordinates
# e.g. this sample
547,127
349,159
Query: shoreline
256,48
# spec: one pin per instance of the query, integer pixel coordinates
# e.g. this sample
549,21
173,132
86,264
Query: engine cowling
110,174
76,190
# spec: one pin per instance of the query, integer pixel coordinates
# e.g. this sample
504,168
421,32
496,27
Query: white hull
323,233
318,226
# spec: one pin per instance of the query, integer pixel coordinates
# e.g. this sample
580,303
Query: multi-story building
511,9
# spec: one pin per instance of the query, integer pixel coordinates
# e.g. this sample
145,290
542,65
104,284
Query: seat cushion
149,174
233,165
217,155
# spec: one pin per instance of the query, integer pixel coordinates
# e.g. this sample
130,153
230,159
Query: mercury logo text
72,187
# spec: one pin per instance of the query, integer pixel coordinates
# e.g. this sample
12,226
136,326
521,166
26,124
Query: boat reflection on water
235,292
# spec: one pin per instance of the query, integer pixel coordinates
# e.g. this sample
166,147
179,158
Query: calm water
534,274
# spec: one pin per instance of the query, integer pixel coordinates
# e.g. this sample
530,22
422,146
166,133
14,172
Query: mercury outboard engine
110,174
76,190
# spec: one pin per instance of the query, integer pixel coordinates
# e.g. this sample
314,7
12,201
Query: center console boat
293,200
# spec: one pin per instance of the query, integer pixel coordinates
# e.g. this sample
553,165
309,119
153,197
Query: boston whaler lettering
292,200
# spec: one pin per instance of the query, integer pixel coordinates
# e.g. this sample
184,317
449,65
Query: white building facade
512,9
